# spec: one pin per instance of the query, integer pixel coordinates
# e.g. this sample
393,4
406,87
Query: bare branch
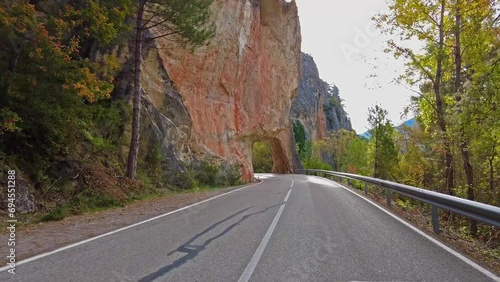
432,19
165,35
167,17
420,94
156,23
415,60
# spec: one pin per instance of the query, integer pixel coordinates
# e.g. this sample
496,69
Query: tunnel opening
272,155
262,159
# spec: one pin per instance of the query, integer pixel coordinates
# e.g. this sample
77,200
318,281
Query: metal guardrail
471,209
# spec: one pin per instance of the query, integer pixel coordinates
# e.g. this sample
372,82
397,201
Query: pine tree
385,155
185,21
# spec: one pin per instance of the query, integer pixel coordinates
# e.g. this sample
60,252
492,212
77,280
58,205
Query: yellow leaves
449,100
108,67
88,86
8,121
84,91
4,19
51,46
17,17
74,45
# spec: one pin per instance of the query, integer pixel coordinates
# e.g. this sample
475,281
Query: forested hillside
453,147
57,71
73,91
455,150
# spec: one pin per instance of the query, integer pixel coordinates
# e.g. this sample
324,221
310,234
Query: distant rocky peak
318,105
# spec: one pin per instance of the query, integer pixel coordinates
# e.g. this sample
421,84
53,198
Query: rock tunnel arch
277,150
280,156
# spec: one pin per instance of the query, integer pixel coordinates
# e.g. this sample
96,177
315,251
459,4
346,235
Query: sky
348,51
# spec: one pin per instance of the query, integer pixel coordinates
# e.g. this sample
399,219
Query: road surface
286,228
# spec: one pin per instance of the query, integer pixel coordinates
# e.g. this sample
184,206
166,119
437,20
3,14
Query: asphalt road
287,228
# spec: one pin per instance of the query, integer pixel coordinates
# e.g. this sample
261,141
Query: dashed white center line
260,250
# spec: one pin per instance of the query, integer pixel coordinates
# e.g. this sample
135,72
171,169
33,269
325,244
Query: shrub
233,176
87,201
181,180
314,163
299,135
207,173
58,213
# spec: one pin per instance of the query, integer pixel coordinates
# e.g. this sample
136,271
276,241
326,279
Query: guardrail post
366,188
388,196
435,219
348,182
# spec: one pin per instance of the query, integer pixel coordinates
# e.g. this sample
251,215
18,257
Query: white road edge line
262,246
476,266
123,228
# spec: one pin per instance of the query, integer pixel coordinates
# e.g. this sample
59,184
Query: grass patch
58,213
198,177
82,203
88,203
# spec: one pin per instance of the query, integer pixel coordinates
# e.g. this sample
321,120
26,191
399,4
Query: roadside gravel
42,237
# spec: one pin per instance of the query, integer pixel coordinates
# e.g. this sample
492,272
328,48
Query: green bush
86,201
152,163
89,202
58,213
358,184
233,176
314,163
204,174
207,173
299,135
99,143
181,180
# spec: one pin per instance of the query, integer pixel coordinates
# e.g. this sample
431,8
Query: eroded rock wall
238,88
307,107
318,106
336,116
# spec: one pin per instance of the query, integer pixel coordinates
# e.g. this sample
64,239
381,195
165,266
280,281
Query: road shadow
191,251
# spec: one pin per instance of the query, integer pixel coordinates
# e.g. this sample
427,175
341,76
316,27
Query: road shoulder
39,238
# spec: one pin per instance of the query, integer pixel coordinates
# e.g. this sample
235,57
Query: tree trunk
470,179
492,176
491,181
376,168
136,118
440,112
464,150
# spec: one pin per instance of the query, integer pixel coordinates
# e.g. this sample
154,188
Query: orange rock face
238,88
321,122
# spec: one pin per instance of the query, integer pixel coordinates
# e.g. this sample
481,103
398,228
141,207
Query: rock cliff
238,89
317,106
336,116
